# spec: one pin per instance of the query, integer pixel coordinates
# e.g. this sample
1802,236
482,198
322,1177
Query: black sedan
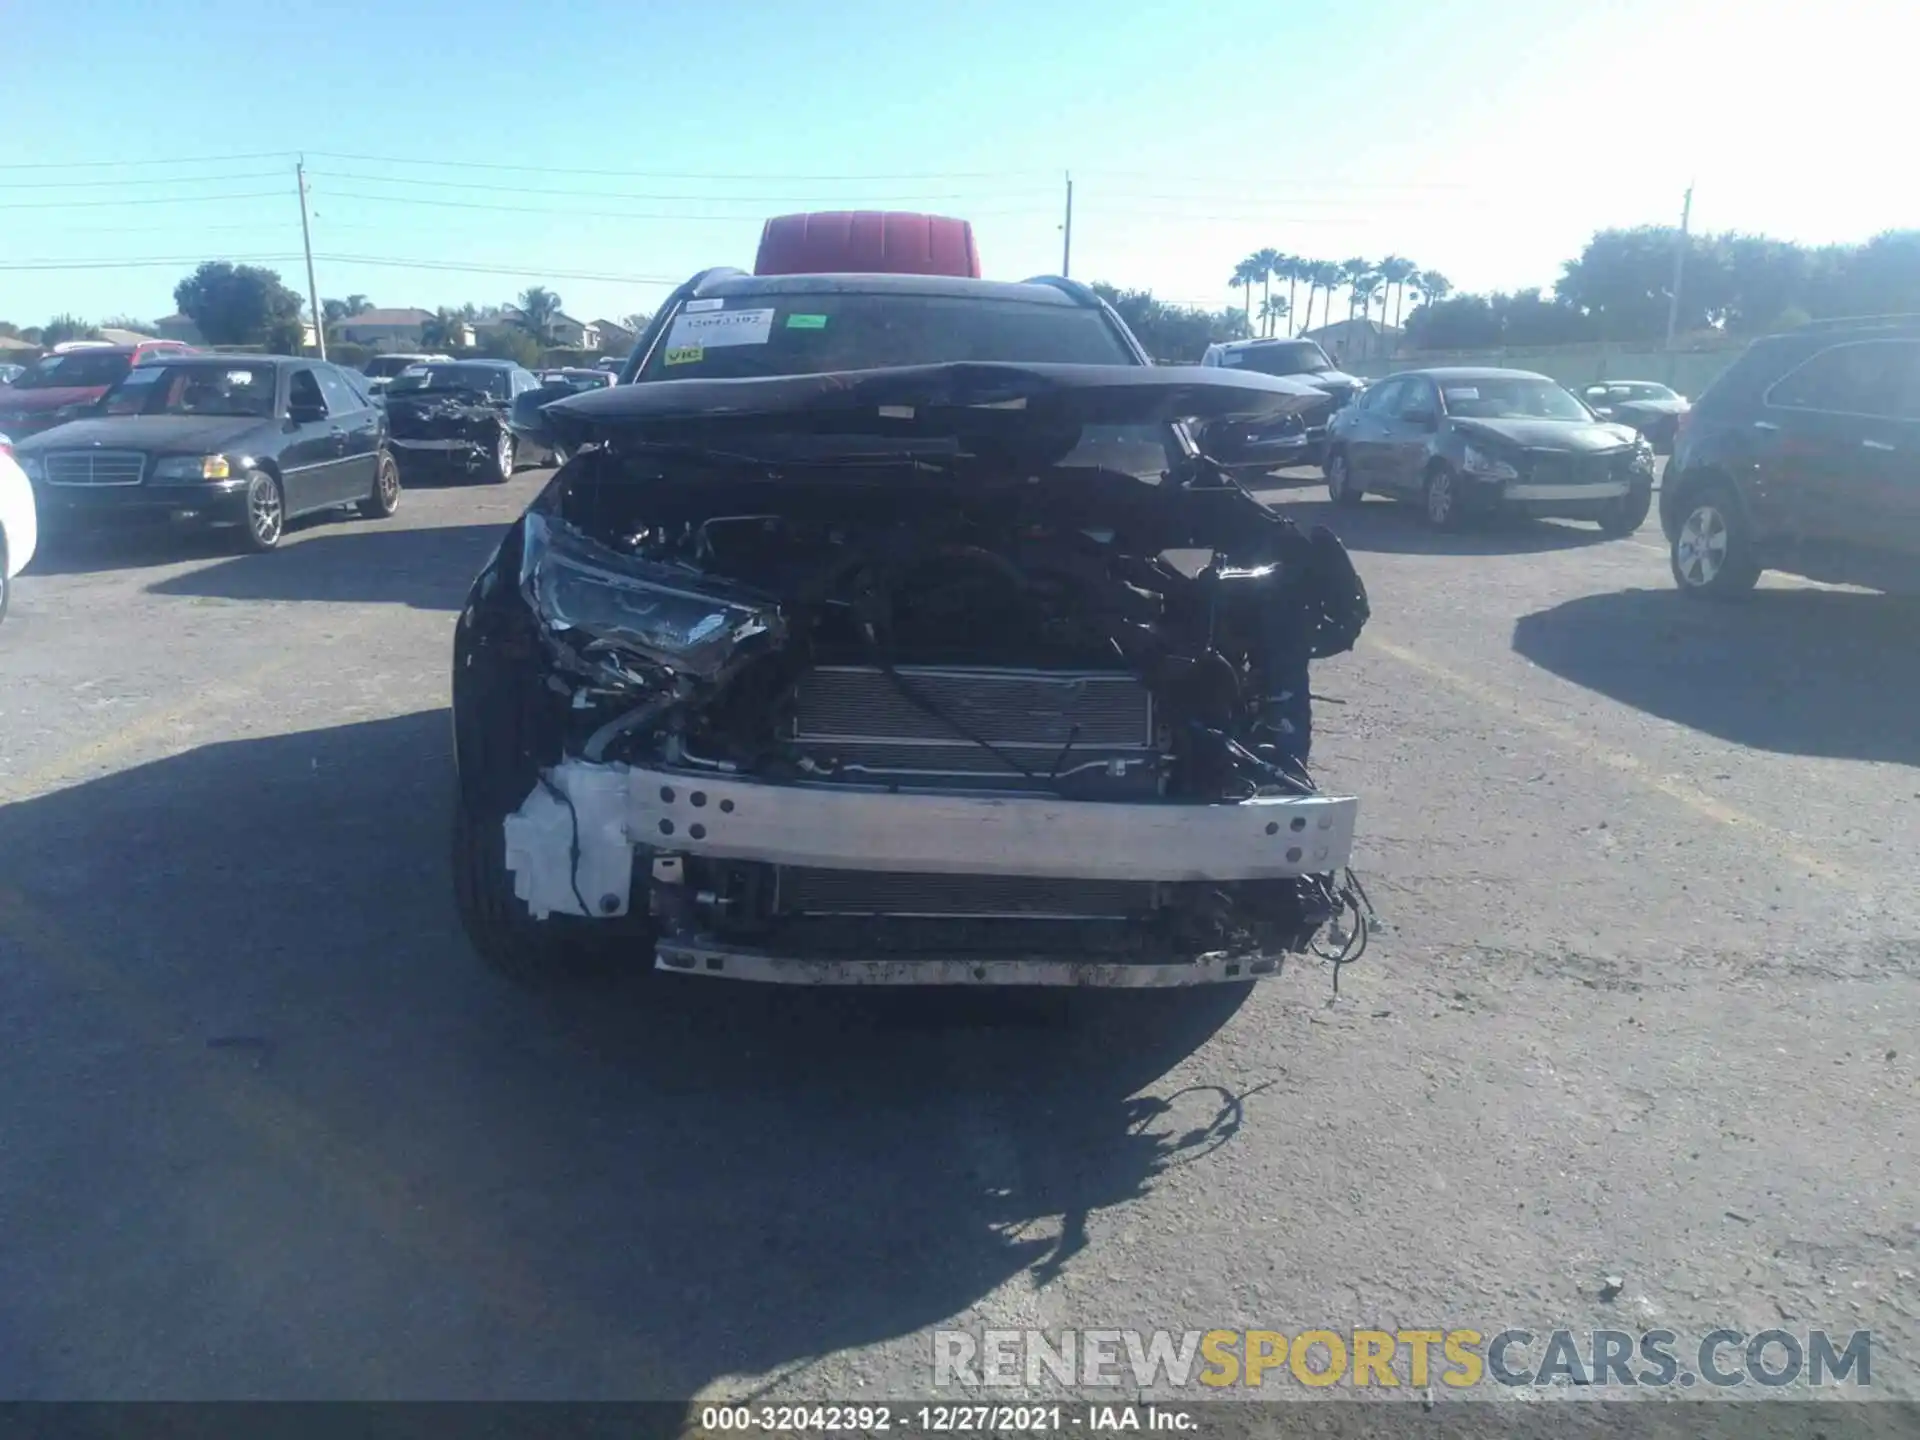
249,442
1467,441
453,414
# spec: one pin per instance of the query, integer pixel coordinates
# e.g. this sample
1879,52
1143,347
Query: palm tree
443,330
538,308
1290,270
1351,272
1396,270
1270,262
1435,286
1327,275
1365,286
1244,274
1273,310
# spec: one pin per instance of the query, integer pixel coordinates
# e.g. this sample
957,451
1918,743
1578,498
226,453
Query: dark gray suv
1804,456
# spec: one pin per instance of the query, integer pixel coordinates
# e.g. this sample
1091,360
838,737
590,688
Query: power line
664,174
604,195
123,180
187,160
525,271
322,196
150,262
145,200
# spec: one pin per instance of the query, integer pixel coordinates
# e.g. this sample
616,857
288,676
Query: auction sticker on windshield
685,355
716,328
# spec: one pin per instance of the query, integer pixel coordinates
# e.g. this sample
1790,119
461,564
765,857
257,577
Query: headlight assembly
193,467
1478,462
663,613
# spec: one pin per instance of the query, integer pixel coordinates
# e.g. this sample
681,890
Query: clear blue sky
1483,138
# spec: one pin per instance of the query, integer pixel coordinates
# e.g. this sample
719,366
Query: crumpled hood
1003,401
1576,437
1333,380
155,434
38,402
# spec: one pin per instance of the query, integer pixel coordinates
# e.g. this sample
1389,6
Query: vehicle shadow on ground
368,563
1798,671
1391,528
273,1131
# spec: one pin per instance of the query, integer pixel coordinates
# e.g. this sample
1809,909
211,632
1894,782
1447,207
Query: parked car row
1803,456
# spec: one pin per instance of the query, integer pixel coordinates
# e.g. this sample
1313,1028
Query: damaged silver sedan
887,677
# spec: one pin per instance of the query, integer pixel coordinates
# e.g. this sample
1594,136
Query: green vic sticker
806,322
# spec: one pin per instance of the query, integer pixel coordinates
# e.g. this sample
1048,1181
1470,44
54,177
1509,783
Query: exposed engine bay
900,715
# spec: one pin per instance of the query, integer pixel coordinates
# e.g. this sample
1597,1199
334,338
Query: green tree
9,329
511,343
1173,333
1273,310
62,328
333,312
442,330
637,321
239,304
358,304
1435,286
538,308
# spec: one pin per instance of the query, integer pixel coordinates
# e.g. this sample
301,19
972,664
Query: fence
1689,370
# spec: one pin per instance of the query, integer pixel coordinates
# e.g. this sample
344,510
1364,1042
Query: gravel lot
1645,1006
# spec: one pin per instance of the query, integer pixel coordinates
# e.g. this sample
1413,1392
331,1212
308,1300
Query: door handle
1875,445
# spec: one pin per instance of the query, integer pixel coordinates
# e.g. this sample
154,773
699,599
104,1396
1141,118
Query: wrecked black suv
847,649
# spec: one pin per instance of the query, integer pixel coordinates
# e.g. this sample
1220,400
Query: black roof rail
1848,322
1072,289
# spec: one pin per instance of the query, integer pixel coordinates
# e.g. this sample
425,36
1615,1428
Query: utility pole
1066,248
306,240
1679,266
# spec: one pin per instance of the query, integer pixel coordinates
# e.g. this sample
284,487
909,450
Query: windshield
806,334
77,369
230,390
1295,357
484,379
1498,398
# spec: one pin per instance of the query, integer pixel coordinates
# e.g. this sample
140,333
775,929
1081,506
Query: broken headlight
628,603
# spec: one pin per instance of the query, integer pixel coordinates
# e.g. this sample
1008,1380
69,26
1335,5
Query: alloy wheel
1700,551
1337,479
265,514
389,486
503,455
1440,498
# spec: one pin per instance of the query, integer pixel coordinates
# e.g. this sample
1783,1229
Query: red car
78,376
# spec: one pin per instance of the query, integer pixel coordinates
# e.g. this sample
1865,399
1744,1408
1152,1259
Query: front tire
266,518
1712,553
1442,499
1340,487
1628,513
385,498
506,458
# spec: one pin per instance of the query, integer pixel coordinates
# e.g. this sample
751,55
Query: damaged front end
460,427
891,679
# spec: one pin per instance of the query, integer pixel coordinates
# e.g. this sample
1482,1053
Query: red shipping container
867,242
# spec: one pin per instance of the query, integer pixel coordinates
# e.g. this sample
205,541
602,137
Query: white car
19,529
